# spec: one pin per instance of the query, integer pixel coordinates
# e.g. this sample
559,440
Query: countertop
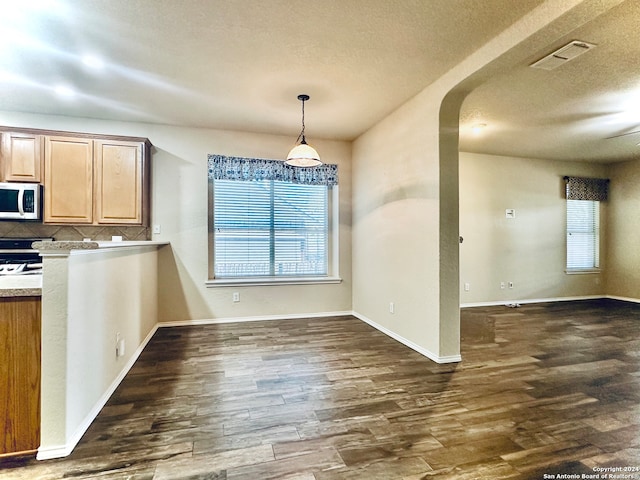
21,285
31,285
93,245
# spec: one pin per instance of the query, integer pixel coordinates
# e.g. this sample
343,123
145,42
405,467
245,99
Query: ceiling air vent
563,55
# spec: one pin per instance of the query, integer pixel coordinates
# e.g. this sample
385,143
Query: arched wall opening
405,226
547,26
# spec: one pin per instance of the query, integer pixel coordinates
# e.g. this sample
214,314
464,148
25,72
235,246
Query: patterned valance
248,169
583,188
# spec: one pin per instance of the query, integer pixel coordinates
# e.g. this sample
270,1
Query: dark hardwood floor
546,389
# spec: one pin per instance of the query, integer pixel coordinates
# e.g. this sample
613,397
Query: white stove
18,258
20,268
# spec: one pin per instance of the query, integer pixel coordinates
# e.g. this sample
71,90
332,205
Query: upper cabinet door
68,180
119,182
22,155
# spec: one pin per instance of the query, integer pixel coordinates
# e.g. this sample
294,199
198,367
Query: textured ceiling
571,112
239,65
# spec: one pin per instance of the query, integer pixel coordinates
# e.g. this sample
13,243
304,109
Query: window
584,195
270,222
269,228
583,235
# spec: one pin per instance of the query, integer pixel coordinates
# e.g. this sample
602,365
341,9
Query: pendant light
303,154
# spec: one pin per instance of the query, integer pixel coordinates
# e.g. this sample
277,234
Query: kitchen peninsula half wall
99,309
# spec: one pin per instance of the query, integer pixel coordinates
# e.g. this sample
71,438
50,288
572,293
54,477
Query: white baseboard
386,331
257,318
422,351
531,300
408,343
58,451
624,299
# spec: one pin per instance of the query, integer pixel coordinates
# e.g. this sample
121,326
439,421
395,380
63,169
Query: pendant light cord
302,98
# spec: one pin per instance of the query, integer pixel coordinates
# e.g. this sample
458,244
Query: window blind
270,228
583,234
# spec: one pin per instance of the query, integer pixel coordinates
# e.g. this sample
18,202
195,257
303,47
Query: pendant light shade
303,154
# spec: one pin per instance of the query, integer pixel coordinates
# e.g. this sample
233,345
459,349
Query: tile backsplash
73,232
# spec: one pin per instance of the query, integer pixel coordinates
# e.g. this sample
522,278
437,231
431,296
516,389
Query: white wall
179,206
87,298
530,249
396,224
405,190
113,292
623,246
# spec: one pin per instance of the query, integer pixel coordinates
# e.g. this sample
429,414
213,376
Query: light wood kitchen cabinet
88,179
20,323
22,157
96,181
118,182
68,180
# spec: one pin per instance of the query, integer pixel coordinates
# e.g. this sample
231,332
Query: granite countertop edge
68,245
21,285
20,292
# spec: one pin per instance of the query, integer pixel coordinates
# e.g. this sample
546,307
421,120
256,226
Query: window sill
260,281
586,271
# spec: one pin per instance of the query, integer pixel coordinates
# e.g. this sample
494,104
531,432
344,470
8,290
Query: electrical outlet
119,345
467,286
236,297
502,285
157,229
510,284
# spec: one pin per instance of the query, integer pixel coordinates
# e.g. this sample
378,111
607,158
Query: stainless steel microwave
20,201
